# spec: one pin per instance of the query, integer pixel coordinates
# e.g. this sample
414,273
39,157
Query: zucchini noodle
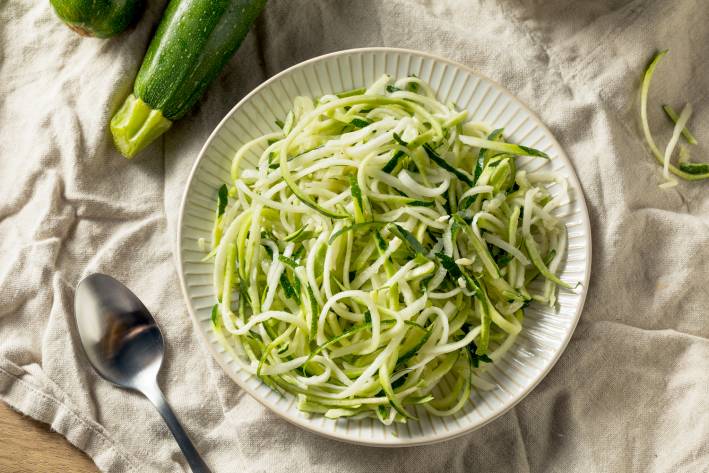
377,253
686,170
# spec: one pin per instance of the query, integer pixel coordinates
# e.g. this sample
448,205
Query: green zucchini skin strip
444,164
415,349
385,380
517,150
348,333
485,319
393,162
694,168
357,200
350,93
409,239
354,227
480,248
484,154
290,182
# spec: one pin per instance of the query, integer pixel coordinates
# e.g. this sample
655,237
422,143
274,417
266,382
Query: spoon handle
155,395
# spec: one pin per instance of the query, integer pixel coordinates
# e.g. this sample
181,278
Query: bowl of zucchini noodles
384,247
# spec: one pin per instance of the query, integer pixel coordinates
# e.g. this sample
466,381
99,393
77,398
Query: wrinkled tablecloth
631,392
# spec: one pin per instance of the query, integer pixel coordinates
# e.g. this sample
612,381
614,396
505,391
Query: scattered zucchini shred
687,171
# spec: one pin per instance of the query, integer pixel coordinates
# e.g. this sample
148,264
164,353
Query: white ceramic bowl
546,332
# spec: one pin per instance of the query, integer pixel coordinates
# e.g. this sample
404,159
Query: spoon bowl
125,346
119,335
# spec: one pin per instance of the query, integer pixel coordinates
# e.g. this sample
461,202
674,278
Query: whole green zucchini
101,18
193,42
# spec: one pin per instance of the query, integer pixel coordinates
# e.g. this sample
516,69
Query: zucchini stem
136,125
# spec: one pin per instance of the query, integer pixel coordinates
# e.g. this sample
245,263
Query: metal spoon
125,346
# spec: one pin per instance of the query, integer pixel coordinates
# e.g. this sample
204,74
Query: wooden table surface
28,446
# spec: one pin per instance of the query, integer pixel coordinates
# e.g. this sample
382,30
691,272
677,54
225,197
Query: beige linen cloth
631,392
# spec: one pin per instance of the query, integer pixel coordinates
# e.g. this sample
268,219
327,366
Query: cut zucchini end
136,125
